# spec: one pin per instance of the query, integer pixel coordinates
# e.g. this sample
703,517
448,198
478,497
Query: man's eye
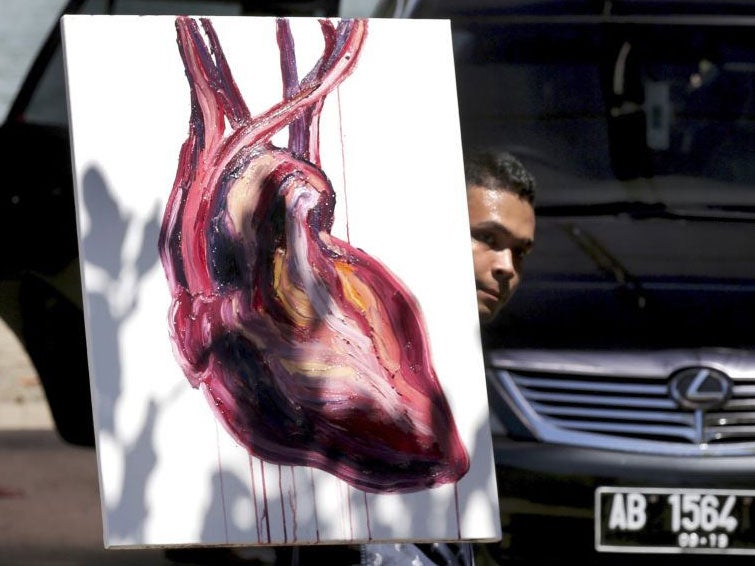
520,254
487,239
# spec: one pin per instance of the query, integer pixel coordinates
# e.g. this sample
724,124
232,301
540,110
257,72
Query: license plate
712,521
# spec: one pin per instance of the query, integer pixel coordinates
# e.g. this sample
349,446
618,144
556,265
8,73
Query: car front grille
624,401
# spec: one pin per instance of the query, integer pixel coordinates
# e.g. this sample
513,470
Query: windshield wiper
607,263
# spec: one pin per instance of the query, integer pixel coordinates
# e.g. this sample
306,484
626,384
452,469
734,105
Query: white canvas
170,472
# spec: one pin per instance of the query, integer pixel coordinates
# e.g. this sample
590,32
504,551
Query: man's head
501,196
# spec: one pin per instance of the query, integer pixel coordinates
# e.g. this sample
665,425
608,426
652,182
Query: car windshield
625,111
640,133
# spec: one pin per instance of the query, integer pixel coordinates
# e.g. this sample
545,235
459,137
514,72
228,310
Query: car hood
631,276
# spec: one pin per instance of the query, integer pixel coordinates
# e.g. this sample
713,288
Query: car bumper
547,495
624,468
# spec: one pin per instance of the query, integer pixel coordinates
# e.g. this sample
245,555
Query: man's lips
489,294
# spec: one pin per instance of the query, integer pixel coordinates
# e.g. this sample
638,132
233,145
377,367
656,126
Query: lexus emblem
700,388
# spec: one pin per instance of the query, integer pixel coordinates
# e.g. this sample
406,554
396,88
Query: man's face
503,231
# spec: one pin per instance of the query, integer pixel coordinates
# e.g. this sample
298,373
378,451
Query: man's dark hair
499,171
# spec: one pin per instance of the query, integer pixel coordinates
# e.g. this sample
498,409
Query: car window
639,130
47,105
23,27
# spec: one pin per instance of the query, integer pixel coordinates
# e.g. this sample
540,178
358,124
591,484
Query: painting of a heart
284,324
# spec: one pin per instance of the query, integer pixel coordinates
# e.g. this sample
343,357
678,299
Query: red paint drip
254,499
283,503
265,513
367,514
292,498
317,522
350,514
343,167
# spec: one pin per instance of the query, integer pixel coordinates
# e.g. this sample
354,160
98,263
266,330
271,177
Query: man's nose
503,264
